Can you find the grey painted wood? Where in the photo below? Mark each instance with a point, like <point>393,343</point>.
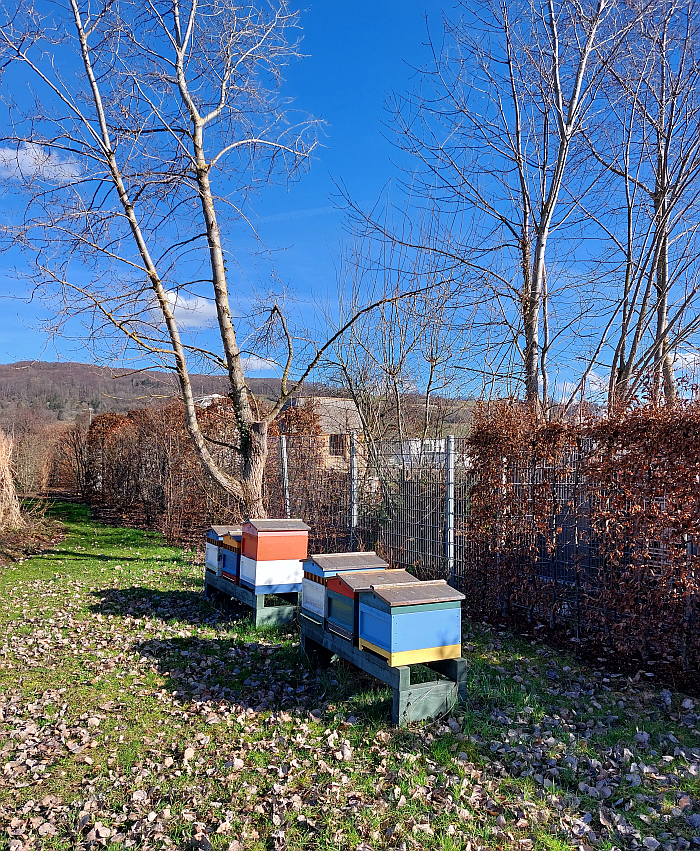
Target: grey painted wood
<point>411,702</point>
<point>279,525</point>
<point>363,580</point>
<point>349,561</point>
<point>424,700</point>
<point>416,593</point>
<point>262,615</point>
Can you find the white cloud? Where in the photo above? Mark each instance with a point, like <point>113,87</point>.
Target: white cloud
<point>194,312</point>
<point>253,363</point>
<point>31,161</point>
<point>687,361</point>
<point>596,387</point>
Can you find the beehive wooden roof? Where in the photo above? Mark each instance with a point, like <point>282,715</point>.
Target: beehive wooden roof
<point>279,525</point>
<point>225,530</point>
<point>349,561</point>
<point>362,580</point>
<point>416,594</point>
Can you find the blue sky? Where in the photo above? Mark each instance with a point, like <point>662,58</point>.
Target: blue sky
<point>356,53</point>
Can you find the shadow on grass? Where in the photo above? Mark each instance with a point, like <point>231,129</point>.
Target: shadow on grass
<point>82,555</point>
<point>261,668</point>
<point>184,605</point>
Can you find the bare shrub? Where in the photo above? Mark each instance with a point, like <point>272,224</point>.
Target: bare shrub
<point>10,516</point>
<point>70,462</point>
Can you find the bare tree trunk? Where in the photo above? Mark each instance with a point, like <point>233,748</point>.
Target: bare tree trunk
<point>664,375</point>
<point>663,372</point>
<point>254,458</point>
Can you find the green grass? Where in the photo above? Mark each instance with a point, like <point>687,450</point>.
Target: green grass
<point>118,679</point>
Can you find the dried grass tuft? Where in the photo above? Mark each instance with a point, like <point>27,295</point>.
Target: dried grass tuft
<point>10,515</point>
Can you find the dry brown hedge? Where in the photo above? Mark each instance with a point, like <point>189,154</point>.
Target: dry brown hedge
<point>591,526</point>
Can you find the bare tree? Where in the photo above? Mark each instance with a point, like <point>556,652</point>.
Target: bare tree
<point>647,141</point>
<point>146,127</point>
<point>402,370</point>
<point>494,126</point>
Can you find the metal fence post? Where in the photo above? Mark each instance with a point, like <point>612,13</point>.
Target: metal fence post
<point>450,507</point>
<point>285,474</point>
<point>353,488</point>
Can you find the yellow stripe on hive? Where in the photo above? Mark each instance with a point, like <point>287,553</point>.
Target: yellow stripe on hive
<point>414,657</point>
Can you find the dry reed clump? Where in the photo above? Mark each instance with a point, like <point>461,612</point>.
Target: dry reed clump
<point>10,516</point>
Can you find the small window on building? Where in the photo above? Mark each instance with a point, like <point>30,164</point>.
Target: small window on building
<point>337,444</point>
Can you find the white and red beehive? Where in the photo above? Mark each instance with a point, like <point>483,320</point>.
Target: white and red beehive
<point>272,555</point>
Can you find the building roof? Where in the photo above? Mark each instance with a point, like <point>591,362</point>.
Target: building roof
<point>418,594</point>
<point>206,401</point>
<point>278,525</point>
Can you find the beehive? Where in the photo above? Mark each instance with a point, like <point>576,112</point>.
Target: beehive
<point>342,597</point>
<point>213,559</point>
<point>410,624</point>
<point>272,554</point>
<point>319,569</point>
<point>231,551</point>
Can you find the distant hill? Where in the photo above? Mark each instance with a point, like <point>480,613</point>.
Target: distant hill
<point>63,390</point>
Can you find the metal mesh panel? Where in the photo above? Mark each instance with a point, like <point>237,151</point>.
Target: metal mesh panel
<point>521,540</point>
<point>412,532</point>
<point>318,489</point>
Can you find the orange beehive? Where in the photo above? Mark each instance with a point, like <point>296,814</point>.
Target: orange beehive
<point>272,554</point>
<point>274,540</point>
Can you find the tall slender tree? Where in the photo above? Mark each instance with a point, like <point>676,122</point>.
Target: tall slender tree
<point>647,143</point>
<point>137,130</point>
<point>494,125</point>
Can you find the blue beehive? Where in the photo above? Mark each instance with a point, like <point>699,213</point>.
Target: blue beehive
<point>214,558</point>
<point>231,552</point>
<point>411,623</point>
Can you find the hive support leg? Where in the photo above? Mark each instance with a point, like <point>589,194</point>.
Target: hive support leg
<point>455,670</point>
<point>259,610</point>
<point>271,615</point>
<point>422,700</point>
<point>316,653</point>
<point>402,697</point>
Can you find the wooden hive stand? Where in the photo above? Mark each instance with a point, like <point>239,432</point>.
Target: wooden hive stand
<point>263,614</point>
<point>411,701</point>
<point>266,561</point>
